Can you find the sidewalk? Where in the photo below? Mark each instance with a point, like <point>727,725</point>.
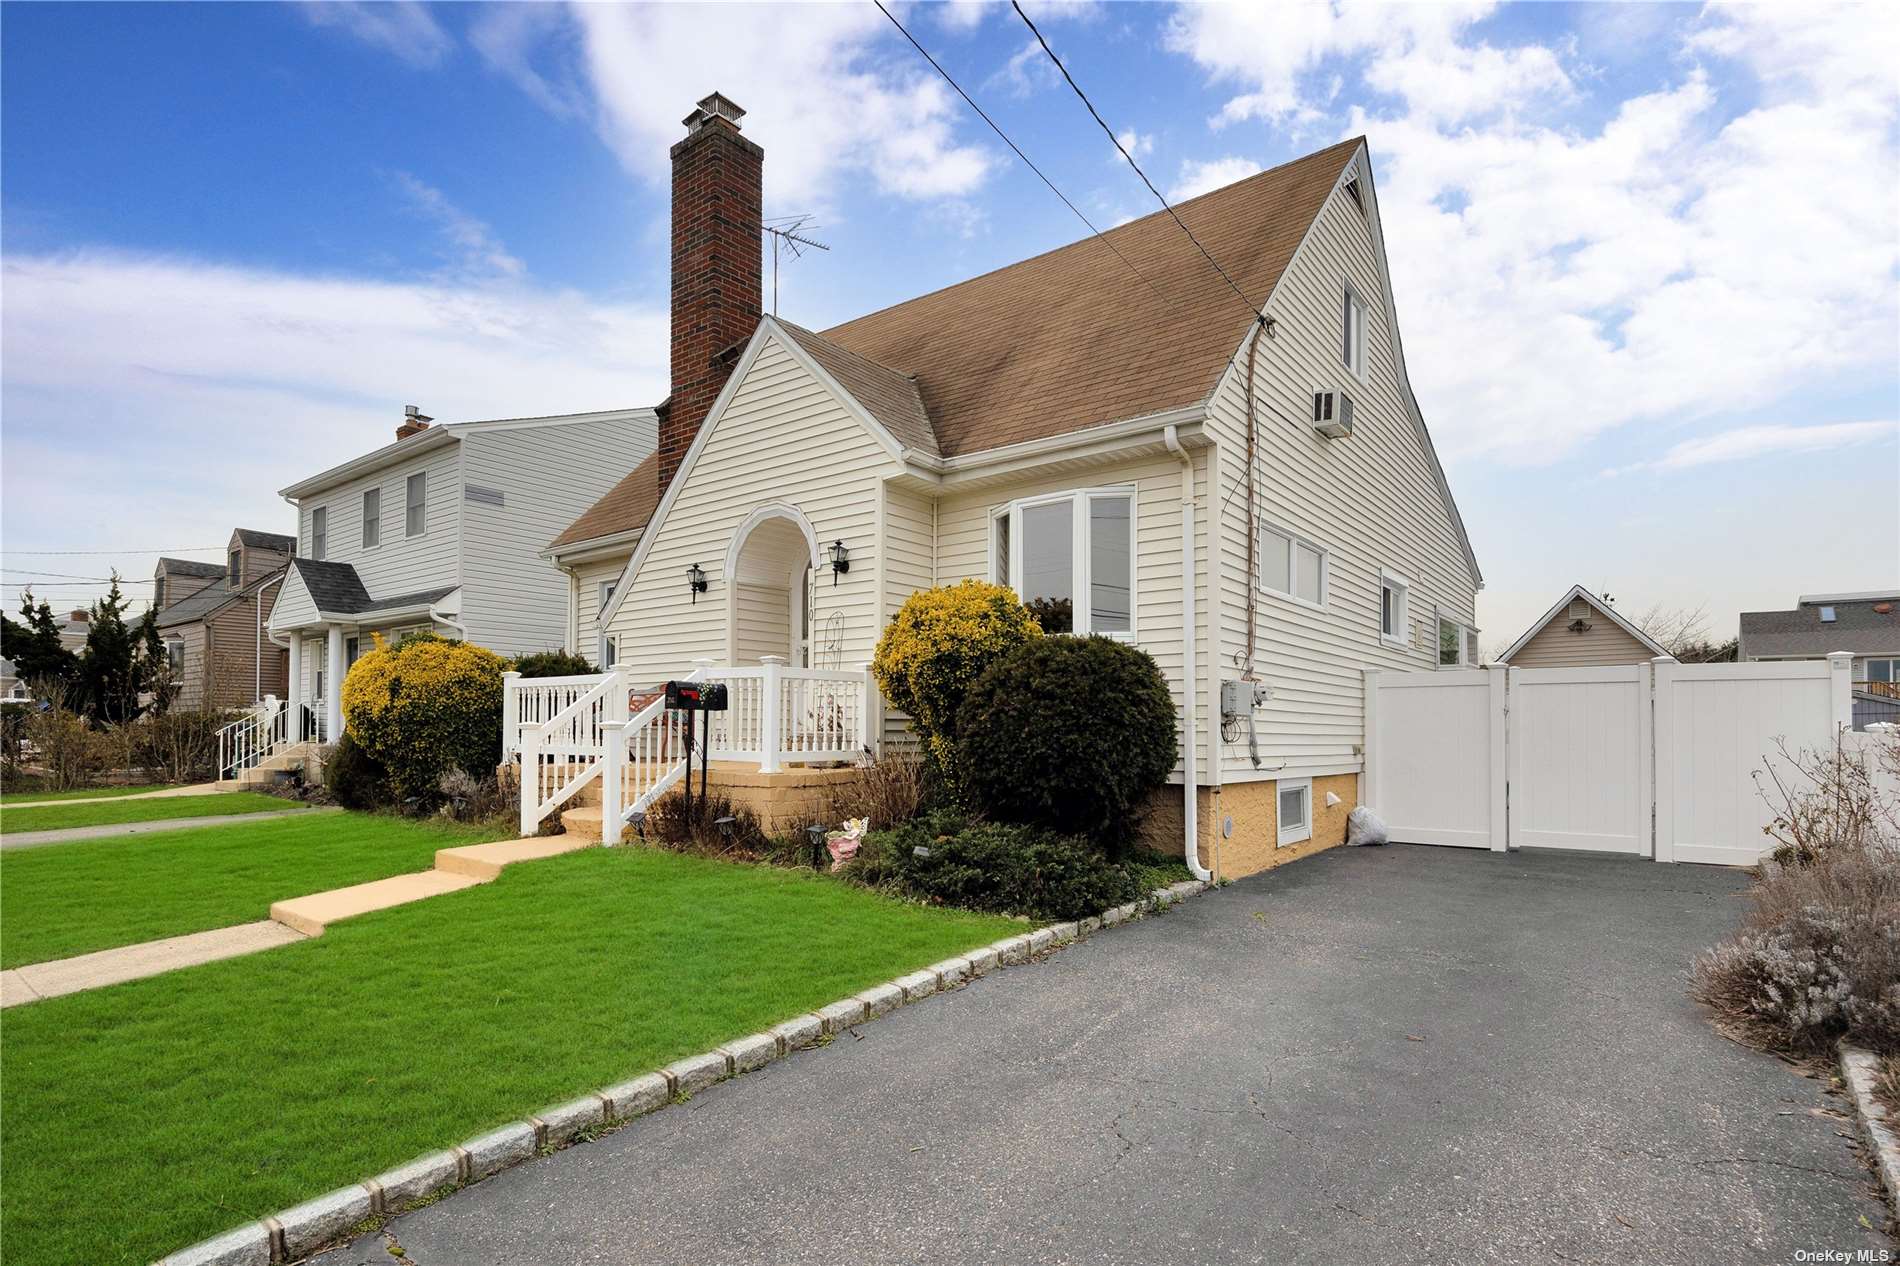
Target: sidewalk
<point>195,789</point>
<point>110,830</point>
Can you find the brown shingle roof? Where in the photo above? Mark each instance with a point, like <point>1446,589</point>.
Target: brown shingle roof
<point>886,394</point>
<point>629,504</point>
<point>1073,339</point>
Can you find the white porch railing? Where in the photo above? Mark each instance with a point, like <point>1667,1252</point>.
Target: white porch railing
<point>245,742</point>
<point>776,716</point>
<point>534,701</point>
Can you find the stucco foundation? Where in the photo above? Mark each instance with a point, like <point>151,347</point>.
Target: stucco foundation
<point>1251,846</point>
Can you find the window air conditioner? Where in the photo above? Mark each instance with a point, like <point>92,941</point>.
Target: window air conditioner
<point>1332,414</point>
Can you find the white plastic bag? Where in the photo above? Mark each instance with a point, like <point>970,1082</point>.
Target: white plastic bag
<point>1363,826</point>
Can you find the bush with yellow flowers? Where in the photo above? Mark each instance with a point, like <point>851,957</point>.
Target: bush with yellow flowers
<point>934,649</point>
<point>423,706</point>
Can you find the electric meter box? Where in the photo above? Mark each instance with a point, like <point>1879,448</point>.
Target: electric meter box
<point>1238,698</point>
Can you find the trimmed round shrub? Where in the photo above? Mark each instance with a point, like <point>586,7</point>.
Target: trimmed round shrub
<point>354,778</point>
<point>936,647</point>
<point>553,664</point>
<point>1068,733</point>
<point>425,706</point>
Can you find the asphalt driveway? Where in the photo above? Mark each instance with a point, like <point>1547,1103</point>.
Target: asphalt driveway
<point>1408,1053</point>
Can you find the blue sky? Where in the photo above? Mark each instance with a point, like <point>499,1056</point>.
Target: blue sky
<point>1644,256</point>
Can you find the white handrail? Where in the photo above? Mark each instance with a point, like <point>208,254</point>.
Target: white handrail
<point>561,755</point>
<point>644,758</point>
<point>245,742</point>
<point>530,701</point>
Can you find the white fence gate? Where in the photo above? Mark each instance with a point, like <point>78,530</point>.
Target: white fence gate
<point>1657,760</point>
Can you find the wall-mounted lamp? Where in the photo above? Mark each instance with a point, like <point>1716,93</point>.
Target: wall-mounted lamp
<point>696,581</point>
<point>840,561</point>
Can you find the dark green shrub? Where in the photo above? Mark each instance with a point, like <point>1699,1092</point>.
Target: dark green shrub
<point>994,867</point>
<point>553,664</point>
<point>354,778</point>
<point>1068,733</point>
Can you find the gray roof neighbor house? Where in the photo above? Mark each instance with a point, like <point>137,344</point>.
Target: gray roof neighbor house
<point>1861,623</point>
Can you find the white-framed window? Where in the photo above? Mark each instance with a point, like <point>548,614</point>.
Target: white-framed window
<point>1294,810</point>
<point>175,655</point>
<point>1457,642</point>
<point>605,595</point>
<point>319,533</point>
<point>1070,557</point>
<point>1352,332</point>
<point>606,651</point>
<point>1395,614</point>
<point>1293,565</point>
<point>414,521</point>
<point>1877,670</point>
<point>372,517</point>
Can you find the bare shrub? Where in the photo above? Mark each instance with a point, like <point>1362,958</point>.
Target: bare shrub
<point>469,797</point>
<point>888,791</point>
<point>67,751</point>
<point>710,825</point>
<point>1818,957</point>
<point>176,746</point>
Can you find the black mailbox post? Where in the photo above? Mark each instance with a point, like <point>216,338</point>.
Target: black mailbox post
<point>693,698</point>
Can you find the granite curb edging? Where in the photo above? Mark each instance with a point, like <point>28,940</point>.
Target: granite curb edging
<point>300,1231</point>
<point>1859,1068</point>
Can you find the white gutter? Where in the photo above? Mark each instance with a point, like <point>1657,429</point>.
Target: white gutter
<point>1190,811</point>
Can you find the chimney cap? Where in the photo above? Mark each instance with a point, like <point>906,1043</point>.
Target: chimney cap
<point>411,411</point>
<point>716,106</point>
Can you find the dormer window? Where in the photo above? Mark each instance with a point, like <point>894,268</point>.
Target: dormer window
<point>235,574</point>
<point>1827,615</point>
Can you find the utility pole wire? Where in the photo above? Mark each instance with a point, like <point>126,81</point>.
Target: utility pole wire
<point>1252,307</point>
<point>1018,149</point>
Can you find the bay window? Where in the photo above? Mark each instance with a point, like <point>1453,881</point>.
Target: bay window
<point>1070,558</point>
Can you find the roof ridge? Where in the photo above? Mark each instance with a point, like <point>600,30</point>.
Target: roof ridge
<point>1083,241</point>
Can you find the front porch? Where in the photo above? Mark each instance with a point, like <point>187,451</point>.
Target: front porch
<point>598,744</point>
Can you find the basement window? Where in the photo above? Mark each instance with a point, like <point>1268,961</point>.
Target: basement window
<point>1295,818</point>
<point>1070,558</point>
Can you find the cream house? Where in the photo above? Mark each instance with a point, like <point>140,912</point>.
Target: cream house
<point>1243,487</point>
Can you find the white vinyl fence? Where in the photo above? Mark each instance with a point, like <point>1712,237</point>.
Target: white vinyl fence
<point>1658,760</point>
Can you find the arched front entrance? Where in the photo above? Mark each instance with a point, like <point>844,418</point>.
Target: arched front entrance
<point>768,597</point>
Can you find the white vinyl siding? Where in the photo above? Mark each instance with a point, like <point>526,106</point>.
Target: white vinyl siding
<point>590,580</point>
<point>399,565</point>
<point>1604,644</point>
<point>1373,500</point>
<point>783,439</point>
<point>514,601</point>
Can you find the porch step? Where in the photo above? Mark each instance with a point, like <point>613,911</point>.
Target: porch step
<point>484,861</point>
<point>584,823</point>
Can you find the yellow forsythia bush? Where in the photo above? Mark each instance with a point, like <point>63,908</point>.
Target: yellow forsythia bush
<point>936,647</point>
<point>424,705</point>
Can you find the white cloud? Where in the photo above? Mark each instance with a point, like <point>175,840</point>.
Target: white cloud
<point>961,16</point>
<point>1028,70</point>
<point>508,36</point>
<point>1709,246</point>
<point>176,397</point>
<point>1746,442</point>
<point>1197,178</point>
<point>1137,145</point>
<point>474,248</point>
<point>823,98</point>
<point>402,27</point>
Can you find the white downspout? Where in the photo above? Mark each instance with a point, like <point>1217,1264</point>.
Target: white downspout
<point>1189,627</point>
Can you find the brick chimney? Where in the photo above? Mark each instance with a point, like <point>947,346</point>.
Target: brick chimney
<point>414,422</point>
<point>718,201</point>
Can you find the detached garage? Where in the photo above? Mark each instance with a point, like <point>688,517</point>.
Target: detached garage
<point>1581,631</point>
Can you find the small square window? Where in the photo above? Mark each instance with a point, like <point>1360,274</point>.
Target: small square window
<point>1295,805</point>
<point>1827,615</point>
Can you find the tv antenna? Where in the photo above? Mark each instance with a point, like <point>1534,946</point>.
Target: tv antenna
<point>789,233</point>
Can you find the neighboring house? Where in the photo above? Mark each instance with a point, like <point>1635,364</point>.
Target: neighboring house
<point>12,689</point>
<point>1581,631</point>
<point>74,628</point>
<point>1061,427</point>
<point>214,621</point>
<point>1867,625</point>
<point>442,531</point>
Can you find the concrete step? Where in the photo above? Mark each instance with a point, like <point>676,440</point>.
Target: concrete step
<point>310,915</point>
<point>485,861</point>
<point>583,823</point>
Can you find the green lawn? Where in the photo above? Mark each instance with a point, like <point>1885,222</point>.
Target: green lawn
<point>67,899</point>
<point>80,793</point>
<point>55,817</point>
<point>143,1117</point>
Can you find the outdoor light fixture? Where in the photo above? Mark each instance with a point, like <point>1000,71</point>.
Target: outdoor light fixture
<point>637,819</point>
<point>817,834</point>
<point>696,581</point>
<point>840,561</point>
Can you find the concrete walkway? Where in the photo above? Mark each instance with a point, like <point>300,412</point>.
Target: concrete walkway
<point>195,789</point>
<point>1404,1054</point>
<point>110,830</point>
<point>134,962</point>
<point>457,868</point>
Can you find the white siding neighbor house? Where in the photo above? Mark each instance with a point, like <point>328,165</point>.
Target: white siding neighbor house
<point>1242,487</point>
<point>441,531</point>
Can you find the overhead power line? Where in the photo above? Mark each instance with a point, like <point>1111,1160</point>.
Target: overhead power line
<point>192,549</point>
<point>971,102</point>
<point>1116,141</point>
